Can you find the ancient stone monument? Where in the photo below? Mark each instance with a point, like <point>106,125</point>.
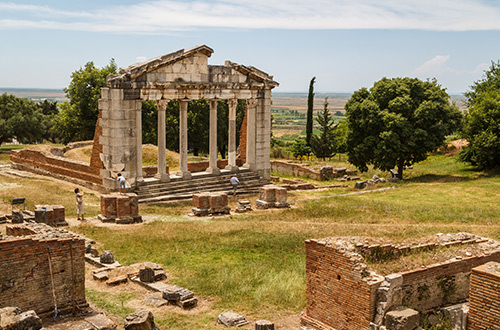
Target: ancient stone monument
<point>184,76</point>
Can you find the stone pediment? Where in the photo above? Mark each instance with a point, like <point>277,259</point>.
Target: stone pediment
<point>188,66</point>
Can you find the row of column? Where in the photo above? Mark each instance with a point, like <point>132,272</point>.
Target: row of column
<point>162,174</point>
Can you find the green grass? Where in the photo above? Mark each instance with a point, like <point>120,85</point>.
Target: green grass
<point>253,263</point>
<point>6,149</point>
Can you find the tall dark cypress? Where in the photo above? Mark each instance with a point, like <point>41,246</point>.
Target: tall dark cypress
<point>310,106</point>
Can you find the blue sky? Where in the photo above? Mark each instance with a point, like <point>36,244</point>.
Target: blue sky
<point>345,44</point>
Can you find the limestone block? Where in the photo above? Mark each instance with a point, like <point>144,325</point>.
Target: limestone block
<point>231,319</point>
<point>59,214</point>
<point>117,280</point>
<point>200,212</point>
<point>281,194</point>
<point>40,216</point>
<point>101,322</point>
<point>124,220</point>
<point>402,318</point>
<point>201,200</point>
<point>122,206</point>
<point>218,201</point>
<point>134,203</point>
<point>12,318</point>
<point>147,275</point>
<point>108,205</point>
<point>140,320</point>
<point>267,193</point>
<point>457,314</point>
<point>155,299</point>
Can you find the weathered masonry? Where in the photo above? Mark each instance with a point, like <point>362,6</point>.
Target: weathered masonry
<point>37,262</point>
<point>184,76</point>
<point>344,294</point>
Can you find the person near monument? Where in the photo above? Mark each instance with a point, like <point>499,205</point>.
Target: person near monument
<point>235,182</point>
<point>123,183</point>
<point>79,204</point>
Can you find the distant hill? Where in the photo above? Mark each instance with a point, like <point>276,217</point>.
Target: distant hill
<point>36,94</point>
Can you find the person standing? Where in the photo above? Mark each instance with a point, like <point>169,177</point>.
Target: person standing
<point>79,204</point>
<point>235,182</point>
<point>123,183</point>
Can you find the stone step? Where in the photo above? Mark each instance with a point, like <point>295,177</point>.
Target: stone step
<point>152,190</point>
<point>194,186</point>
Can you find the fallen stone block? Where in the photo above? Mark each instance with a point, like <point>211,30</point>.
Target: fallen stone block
<point>107,257</point>
<point>305,186</point>
<point>200,212</point>
<point>263,205</point>
<point>176,293</point>
<point>402,318</point>
<point>231,319</point>
<point>188,303</point>
<point>457,314</point>
<point>17,217</point>
<point>117,280</point>
<point>12,318</point>
<point>147,275</point>
<point>155,299</point>
<point>101,322</point>
<point>160,275</point>
<point>142,319</point>
<point>101,276</point>
<point>264,325</point>
<point>103,218</point>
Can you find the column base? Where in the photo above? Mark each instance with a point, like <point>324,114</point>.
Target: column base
<point>185,175</point>
<point>213,170</point>
<point>247,166</point>
<point>163,177</point>
<point>232,168</point>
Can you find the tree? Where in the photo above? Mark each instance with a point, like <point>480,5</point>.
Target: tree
<point>310,109</point>
<point>482,121</point>
<point>49,111</point>
<point>397,122</point>
<point>149,122</point>
<point>78,117</point>
<point>322,145</point>
<point>300,148</point>
<point>20,118</point>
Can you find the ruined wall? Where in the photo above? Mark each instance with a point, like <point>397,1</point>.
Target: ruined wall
<point>442,284</point>
<point>25,280</point>
<point>340,292</point>
<point>39,162</point>
<point>294,169</point>
<point>484,307</point>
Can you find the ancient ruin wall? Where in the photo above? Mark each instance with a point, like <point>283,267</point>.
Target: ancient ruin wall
<point>484,307</point>
<point>25,280</point>
<point>39,162</point>
<point>442,284</point>
<point>340,294</point>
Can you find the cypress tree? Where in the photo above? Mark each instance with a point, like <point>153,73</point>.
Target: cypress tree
<point>310,105</point>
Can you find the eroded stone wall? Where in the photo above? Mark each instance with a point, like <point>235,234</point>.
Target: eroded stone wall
<point>25,276</point>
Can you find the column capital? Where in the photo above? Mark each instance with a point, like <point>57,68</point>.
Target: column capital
<point>232,103</point>
<point>252,103</point>
<point>162,104</point>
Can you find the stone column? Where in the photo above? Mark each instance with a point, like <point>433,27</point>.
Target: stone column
<point>162,165</point>
<point>250,155</point>
<point>231,153</point>
<point>212,168</point>
<point>183,139</point>
<point>138,123</point>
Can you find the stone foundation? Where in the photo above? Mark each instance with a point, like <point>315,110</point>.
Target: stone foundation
<point>25,275</point>
<point>210,203</point>
<point>272,196</point>
<point>122,209</point>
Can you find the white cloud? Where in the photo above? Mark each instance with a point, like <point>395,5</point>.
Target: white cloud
<point>165,16</point>
<point>433,66</point>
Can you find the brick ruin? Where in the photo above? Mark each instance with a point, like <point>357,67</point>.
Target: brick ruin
<point>343,293</point>
<point>25,273</point>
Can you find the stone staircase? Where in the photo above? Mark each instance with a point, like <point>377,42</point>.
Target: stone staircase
<point>154,191</point>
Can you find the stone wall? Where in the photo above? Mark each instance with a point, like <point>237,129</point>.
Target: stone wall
<point>39,162</point>
<point>283,167</point>
<point>447,283</point>
<point>340,291</point>
<point>25,279</point>
<point>484,308</point>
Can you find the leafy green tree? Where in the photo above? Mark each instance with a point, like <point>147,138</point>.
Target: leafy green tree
<point>20,118</point>
<point>223,124</point>
<point>310,109</point>
<point>322,145</point>
<point>49,111</point>
<point>398,122</point>
<point>149,122</point>
<point>300,148</point>
<point>78,117</point>
<point>482,121</point>
<point>198,126</point>
<point>340,137</point>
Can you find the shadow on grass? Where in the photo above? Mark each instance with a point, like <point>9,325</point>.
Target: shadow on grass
<point>446,178</point>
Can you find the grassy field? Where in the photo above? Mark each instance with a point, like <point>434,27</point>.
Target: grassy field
<point>253,263</point>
